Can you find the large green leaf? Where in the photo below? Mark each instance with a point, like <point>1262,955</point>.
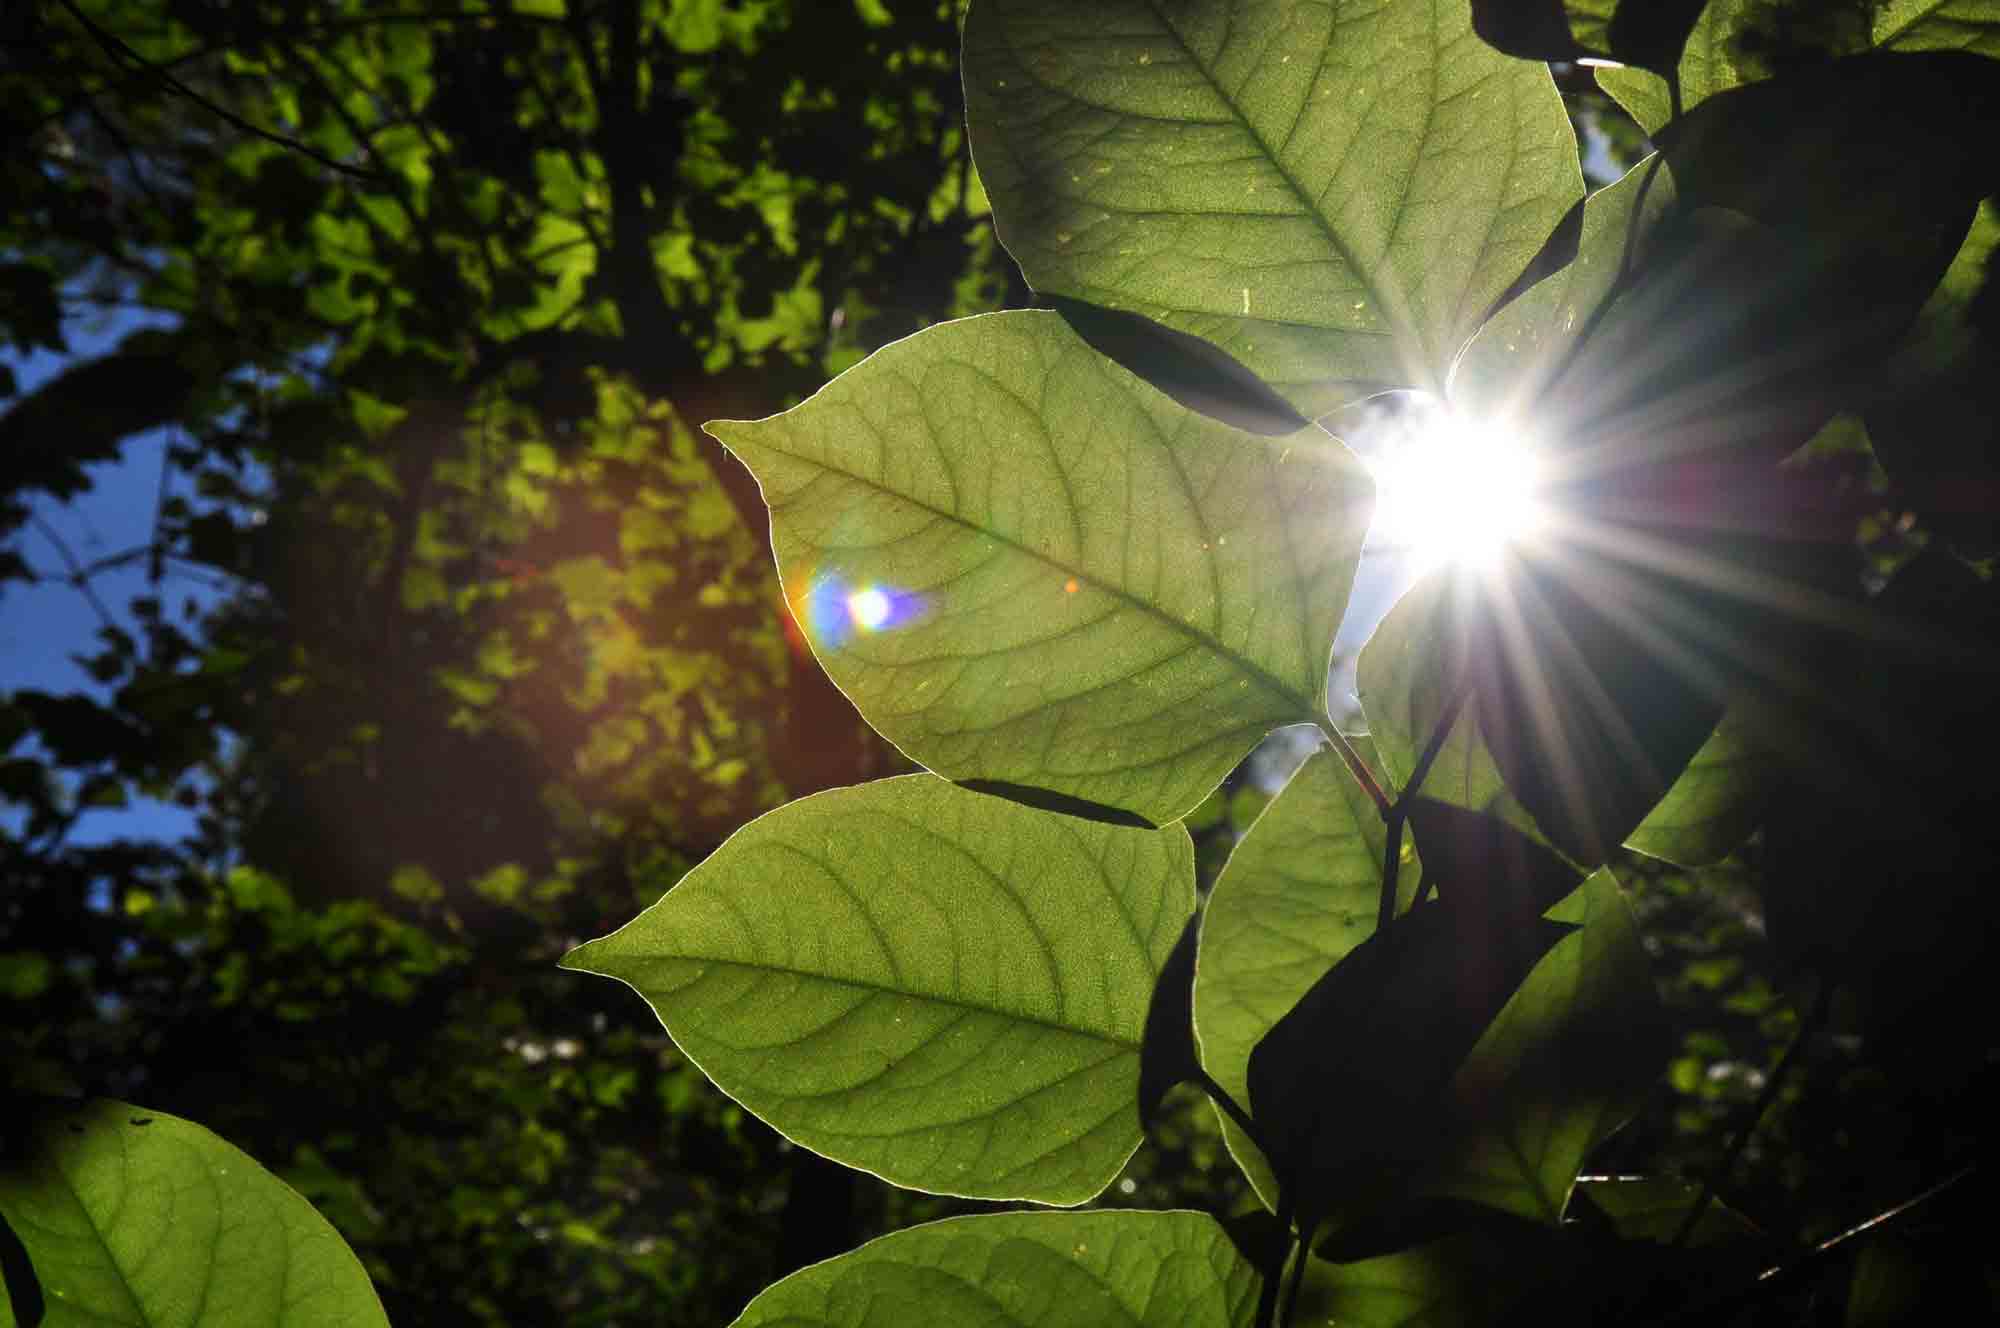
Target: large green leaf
<point>1335,194</point>
<point>1297,894</point>
<point>938,986</point>
<point>133,1217</point>
<point>1566,1062</point>
<point>1025,1270</point>
<point>1083,587</point>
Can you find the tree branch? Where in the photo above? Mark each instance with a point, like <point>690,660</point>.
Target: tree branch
<point>116,47</point>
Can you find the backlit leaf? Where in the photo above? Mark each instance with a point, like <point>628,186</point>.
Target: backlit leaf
<point>1334,194</point>
<point>1025,1270</point>
<point>134,1217</point>
<point>935,985</point>
<point>1025,566</point>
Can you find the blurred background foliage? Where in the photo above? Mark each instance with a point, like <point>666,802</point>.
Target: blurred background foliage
<point>427,297</point>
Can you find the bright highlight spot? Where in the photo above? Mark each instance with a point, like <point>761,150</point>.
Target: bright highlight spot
<point>870,608</point>
<point>1454,490</point>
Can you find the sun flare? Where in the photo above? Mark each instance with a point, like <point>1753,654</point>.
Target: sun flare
<point>1454,490</point>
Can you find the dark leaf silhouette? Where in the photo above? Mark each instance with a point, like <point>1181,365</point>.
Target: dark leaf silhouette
<point>1167,1052</point>
<point>1349,1087</point>
<point>1194,372</point>
<point>1647,33</point>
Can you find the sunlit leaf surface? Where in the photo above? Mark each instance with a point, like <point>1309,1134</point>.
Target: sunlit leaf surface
<point>935,985</point>
<point>1335,194</point>
<point>1026,566</point>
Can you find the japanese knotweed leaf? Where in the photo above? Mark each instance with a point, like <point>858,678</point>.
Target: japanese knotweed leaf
<point>1334,194</point>
<point>1568,1060</point>
<point>1027,567</point>
<point>133,1217</point>
<point>1297,894</point>
<point>1025,1270</point>
<point>935,985</point>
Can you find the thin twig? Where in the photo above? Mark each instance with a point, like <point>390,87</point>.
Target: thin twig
<point>119,50</point>
<point>1785,1274</point>
<point>1274,1269</point>
<point>1230,1107</point>
<point>1747,1125</point>
<point>79,576</point>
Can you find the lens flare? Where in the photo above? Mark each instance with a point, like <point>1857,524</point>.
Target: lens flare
<point>869,608</point>
<point>1455,490</point>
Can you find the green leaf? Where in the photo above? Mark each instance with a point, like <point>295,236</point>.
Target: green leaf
<point>1297,894</point>
<point>935,985</point>
<point>131,1216</point>
<point>1566,1062</point>
<point>1025,1270</point>
<point>1026,566</point>
<point>1461,1281</point>
<point>1715,804</point>
<point>1334,194</point>
<point>1939,25</point>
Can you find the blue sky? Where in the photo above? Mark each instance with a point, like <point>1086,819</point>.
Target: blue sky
<point>44,626</point>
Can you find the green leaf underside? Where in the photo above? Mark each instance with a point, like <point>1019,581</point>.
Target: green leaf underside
<point>1297,894</point>
<point>937,986</point>
<point>1567,1061</point>
<point>1025,1270</point>
<point>132,1217</point>
<point>1100,592</point>
<point>1717,59</point>
<point>1335,194</point>
<point>1715,804</point>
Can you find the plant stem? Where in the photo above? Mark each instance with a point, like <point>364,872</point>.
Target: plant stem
<point>1298,1274</point>
<point>1230,1107</point>
<point>1748,1125</point>
<point>1274,1271</point>
<point>1358,768</point>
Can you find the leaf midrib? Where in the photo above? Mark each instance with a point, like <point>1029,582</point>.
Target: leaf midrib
<point>882,989</point>
<point>1362,272</point>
